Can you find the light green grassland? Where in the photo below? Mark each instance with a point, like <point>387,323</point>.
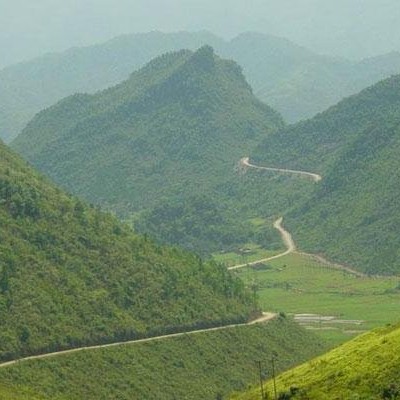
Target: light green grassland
<point>366,368</point>
<point>297,284</point>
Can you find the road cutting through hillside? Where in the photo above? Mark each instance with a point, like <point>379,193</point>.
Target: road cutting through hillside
<point>265,317</point>
<point>290,248</point>
<point>245,162</point>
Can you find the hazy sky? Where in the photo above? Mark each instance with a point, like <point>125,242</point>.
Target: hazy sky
<point>346,27</point>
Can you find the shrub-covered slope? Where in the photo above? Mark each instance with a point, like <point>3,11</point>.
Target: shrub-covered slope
<point>353,214</point>
<point>293,80</point>
<point>170,135</point>
<point>71,275</point>
<point>202,366</point>
<point>365,368</point>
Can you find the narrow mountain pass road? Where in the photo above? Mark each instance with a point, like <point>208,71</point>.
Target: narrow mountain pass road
<point>286,236</point>
<point>287,240</point>
<point>264,318</point>
<point>245,162</point>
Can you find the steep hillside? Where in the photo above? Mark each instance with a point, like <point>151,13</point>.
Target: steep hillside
<point>295,81</point>
<point>71,275</point>
<point>170,135</point>
<point>365,368</point>
<point>202,366</point>
<point>352,216</point>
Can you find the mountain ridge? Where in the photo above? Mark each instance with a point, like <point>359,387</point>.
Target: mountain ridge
<point>293,80</point>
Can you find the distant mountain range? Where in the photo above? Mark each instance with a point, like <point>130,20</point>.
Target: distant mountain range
<point>295,81</point>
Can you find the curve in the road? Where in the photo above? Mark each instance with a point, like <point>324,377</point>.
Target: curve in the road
<point>245,161</point>
<point>287,240</point>
<point>265,317</point>
<point>290,248</point>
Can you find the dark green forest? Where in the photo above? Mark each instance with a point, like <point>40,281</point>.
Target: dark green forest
<point>71,275</point>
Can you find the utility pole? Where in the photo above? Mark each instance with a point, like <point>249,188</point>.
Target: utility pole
<point>273,375</point>
<point>261,381</point>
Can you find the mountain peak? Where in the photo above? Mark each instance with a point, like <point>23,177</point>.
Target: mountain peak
<point>204,58</point>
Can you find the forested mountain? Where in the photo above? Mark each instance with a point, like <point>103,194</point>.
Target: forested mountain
<point>292,79</point>
<point>353,214</point>
<point>168,140</point>
<point>71,275</point>
<point>364,368</point>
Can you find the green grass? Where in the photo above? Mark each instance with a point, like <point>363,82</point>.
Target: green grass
<point>297,284</point>
<point>200,366</point>
<point>364,369</point>
<point>248,253</point>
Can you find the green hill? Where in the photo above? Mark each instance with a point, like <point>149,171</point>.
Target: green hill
<point>293,80</point>
<point>71,275</point>
<point>366,368</point>
<point>171,135</point>
<point>352,216</point>
<point>206,365</point>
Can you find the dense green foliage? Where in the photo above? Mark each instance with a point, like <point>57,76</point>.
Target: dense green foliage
<point>167,142</point>
<point>353,214</point>
<point>367,368</point>
<point>207,365</point>
<point>71,275</point>
<point>294,80</point>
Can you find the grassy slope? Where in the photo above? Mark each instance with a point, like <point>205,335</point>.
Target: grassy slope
<point>360,369</point>
<point>194,367</point>
<point>352,215</point>
<point>71,275</point>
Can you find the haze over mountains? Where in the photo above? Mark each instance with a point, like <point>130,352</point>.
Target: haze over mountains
<point>293,80</point>
<point>196,224</point>
<point>353,29</point>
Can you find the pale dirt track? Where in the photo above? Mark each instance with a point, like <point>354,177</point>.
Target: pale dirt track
<point>266,317</point>
<point>286,236</point>
<point>287,240</point>
<point>245,161</point>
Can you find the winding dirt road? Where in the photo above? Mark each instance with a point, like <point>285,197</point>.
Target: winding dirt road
<point>245,161</point>
<point>287,240</point>
<point>266,317</point>
<point>290,248</point>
